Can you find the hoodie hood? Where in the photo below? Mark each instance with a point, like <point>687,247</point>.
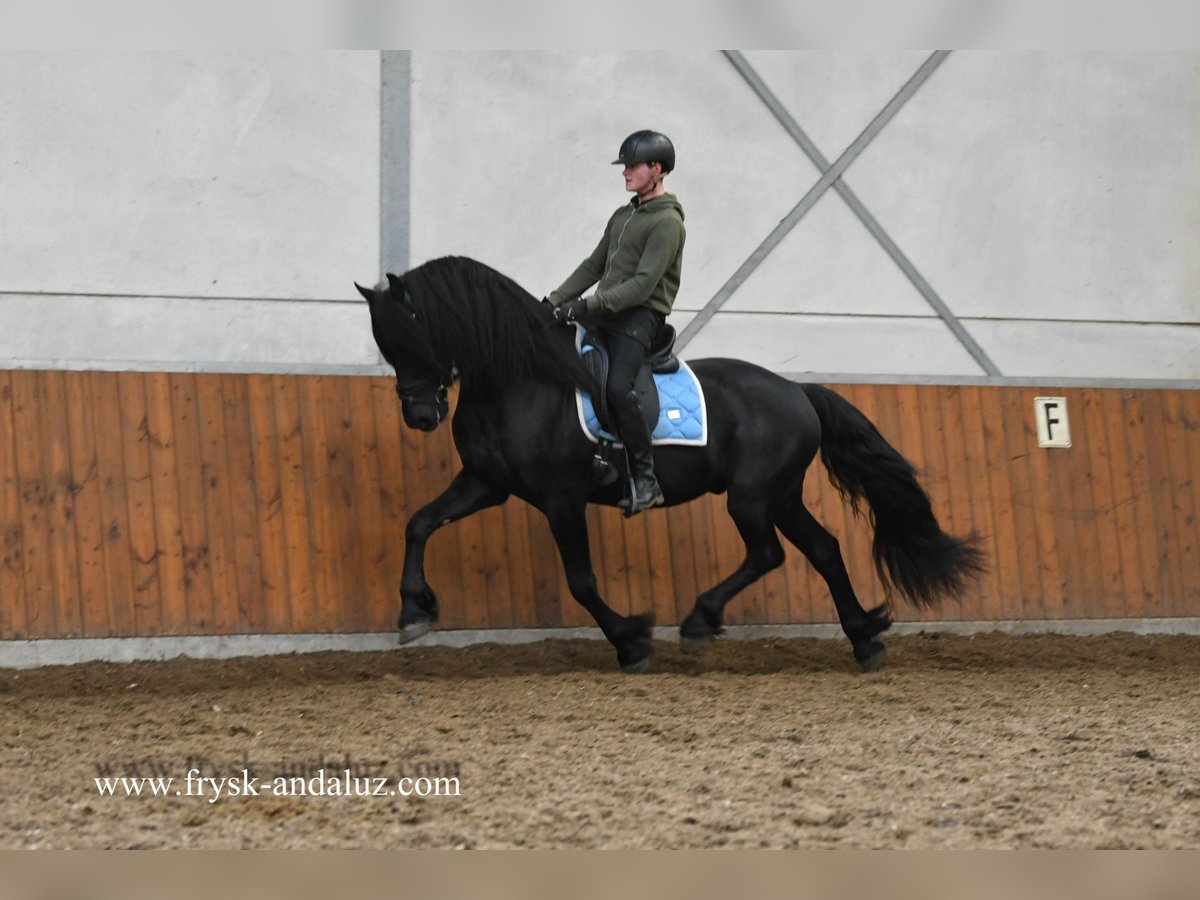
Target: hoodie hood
<point>661,203</point>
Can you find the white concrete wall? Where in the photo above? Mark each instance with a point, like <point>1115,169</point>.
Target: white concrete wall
<point>168,210</point>
<point>1050,199</point>
<point>163,208</point>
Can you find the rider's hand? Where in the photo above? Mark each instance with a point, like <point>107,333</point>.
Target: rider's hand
<point>571,311</point>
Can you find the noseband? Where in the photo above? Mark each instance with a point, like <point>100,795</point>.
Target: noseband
<point>428,391</point>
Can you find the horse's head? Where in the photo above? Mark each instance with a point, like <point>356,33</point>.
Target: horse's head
<point>422,382</point>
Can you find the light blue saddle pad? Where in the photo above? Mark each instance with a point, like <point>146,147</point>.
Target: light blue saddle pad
<point>682,417</point>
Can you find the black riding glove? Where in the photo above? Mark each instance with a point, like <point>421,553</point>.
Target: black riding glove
<point>571,311</point>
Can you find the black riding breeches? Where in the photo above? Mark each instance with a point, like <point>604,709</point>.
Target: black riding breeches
<point>629,335</point>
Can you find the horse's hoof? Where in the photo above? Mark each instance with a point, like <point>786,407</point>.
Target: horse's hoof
<point>413,631</point>
<point>874,662</point>
<point>694,645</point>
<point>639,667</point>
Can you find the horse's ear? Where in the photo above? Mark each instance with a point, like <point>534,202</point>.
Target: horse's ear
<point>367,293</point>
<point>400,294</point>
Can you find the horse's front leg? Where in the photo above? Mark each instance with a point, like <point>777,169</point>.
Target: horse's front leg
<point>630,635</point>
<point>467,494</point>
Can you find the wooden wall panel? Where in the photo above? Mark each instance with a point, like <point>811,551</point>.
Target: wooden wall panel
<point>241,489</point>
<point>130,470</point>
<point>1182,491</point>
<point>13,619</point>
<point>82,502</point>
<point>296,582</point>
<point>41,602</point>
<point>266,596</point>
<point>153,503</point>
<point>168,530</point>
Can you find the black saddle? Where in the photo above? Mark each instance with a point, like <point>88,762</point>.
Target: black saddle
<point>660,359</point>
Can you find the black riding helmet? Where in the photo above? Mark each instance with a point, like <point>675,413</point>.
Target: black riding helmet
<point>647,147</point>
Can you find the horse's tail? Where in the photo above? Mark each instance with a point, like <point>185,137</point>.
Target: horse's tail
<point>912,553</point>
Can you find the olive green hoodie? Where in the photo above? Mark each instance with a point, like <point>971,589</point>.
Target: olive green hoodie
<point>637,262</point>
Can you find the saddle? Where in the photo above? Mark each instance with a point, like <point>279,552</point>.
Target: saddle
<point>660,360</point>
<point>609,463</point>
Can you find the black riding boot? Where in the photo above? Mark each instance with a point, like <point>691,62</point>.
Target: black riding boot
<point>631,425</point>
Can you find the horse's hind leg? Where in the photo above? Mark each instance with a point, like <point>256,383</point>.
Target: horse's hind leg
<point>763,553</point>
<point>823,551</point>
<point>630,635</point>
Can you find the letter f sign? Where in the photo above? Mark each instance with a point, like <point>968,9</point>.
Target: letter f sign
<point>1050,414</point>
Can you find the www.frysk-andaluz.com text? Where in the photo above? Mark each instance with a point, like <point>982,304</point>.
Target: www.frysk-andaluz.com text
<point>319,778</point>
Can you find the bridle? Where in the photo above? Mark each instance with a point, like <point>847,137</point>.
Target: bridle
<point>430,390</point>
<point>435,385</point>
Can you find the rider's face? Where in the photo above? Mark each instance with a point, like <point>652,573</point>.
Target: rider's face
<point>640,178</point>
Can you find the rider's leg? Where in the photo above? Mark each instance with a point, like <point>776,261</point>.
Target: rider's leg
<point>626,355</point>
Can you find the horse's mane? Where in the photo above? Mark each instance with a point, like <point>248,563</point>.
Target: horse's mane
<point>493,330</point>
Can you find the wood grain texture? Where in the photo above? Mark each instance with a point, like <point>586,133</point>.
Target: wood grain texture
<point>141,504</point>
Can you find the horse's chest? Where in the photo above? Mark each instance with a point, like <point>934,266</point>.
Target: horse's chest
<point>479,454</point>
<point>478,442</point>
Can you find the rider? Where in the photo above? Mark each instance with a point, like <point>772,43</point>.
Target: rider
<point>637,264</point>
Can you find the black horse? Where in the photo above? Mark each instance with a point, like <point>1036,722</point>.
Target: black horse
<point>517,432</point>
